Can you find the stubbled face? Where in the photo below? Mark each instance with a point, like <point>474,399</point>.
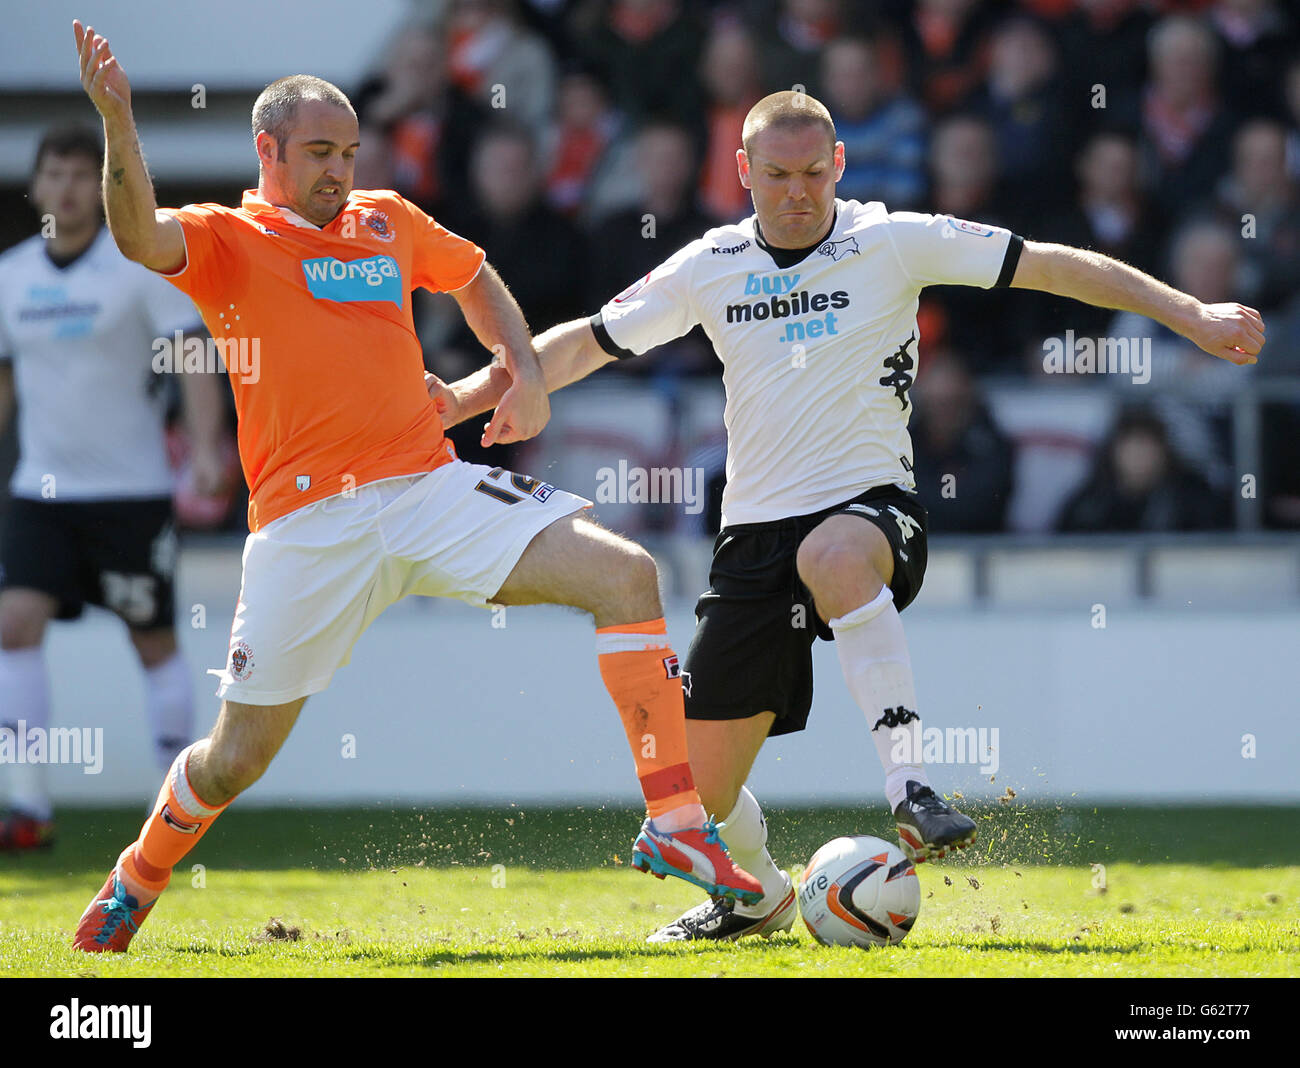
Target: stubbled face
<point>791,174</point>
<point>67,187</point>
<point>315,176</point>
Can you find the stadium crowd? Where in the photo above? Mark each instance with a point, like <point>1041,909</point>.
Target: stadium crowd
<point>581,143</point>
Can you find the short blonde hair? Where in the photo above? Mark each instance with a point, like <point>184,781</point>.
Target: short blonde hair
<point>786,110</point>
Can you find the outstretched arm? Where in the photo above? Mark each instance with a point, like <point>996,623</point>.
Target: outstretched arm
<point>522,407</point>
<point>142,232</point>
<point>566,353</point>
<point>1232,332</point>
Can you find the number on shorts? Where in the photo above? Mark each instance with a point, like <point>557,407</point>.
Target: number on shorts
<point>520,482</point>
<point>130,596</point>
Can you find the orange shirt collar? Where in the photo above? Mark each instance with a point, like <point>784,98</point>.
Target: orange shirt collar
<point>255,205</point>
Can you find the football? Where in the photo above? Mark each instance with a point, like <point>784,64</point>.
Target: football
<point>859,891</point>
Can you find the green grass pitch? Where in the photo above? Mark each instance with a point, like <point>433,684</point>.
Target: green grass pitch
<point>1189,891</point>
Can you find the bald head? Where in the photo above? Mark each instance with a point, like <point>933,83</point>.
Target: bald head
<point>786,111</point>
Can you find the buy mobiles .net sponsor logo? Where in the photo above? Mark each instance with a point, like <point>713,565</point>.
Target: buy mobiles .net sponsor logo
<point>785,301</point>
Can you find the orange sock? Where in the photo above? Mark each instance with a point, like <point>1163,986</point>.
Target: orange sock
<point>179,819</point>
<point>642,676</point>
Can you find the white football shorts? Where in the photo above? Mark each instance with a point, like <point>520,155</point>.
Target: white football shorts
<point>316,578</point>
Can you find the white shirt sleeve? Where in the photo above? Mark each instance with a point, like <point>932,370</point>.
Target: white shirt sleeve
<point>167,307</point>
<point>651,311</point>
<point>938,250</point>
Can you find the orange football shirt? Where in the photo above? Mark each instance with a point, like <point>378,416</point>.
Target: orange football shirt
<point>316,331</point>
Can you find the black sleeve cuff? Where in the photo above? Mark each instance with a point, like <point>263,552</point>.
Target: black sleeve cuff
<point>1014,247</point>
<point>606,342</point>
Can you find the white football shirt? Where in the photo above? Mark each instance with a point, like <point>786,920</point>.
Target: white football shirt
<point>818,355</point>
<point>81,341</point>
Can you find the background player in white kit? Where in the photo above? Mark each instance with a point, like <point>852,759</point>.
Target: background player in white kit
<point>91,515</point>
<point>811,306</point>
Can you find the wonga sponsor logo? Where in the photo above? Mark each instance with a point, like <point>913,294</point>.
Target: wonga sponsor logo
<point>372,278</point>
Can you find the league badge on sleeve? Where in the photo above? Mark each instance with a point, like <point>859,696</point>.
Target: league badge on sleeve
<point>963,226</point>
<point>632,290</point>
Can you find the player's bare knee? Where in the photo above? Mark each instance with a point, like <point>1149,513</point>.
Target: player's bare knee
<point>838,574</point>
<point>823,562</point>
<point>230,769</point>
<point>631,589</point>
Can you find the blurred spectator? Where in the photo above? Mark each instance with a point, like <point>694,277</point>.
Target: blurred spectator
<point>944,40</point>
<point>1293,118</point>
<point>428,126</point>
<point>630,243</point>
<point>648,52</point>
<point>964,169</point>
<point>539,253</point>
<point>373,166</point>
<point>586,125</point>
<point>1194,390</point>
<point>1205,261</point>
<point>962,461</point>
<point>985,327</point>
<point>793,42</point>
<point>1139,484</point>
<point>1111,214</point>
<point>731,79</point>
<point>499,62</point>
<point>1023,101</point>
<point>1258,42</point>
<point>1261,201</point>
<point>1184,123</point>
<point>1104,46</point>
<point>883,132</point>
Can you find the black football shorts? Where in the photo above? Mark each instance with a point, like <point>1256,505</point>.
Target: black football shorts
<point>118,554</point>
<point>755,624</point>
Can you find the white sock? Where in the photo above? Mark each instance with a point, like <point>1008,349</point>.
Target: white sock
<point>873,654</point>
<point>169,705</point>
<point>25,699</point>
<point>681,818</point>
<point>745,832</point>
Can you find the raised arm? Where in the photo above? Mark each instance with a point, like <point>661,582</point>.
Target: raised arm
<point>1232,332</point>
<point>566,353</point>
<point>142,232</point>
